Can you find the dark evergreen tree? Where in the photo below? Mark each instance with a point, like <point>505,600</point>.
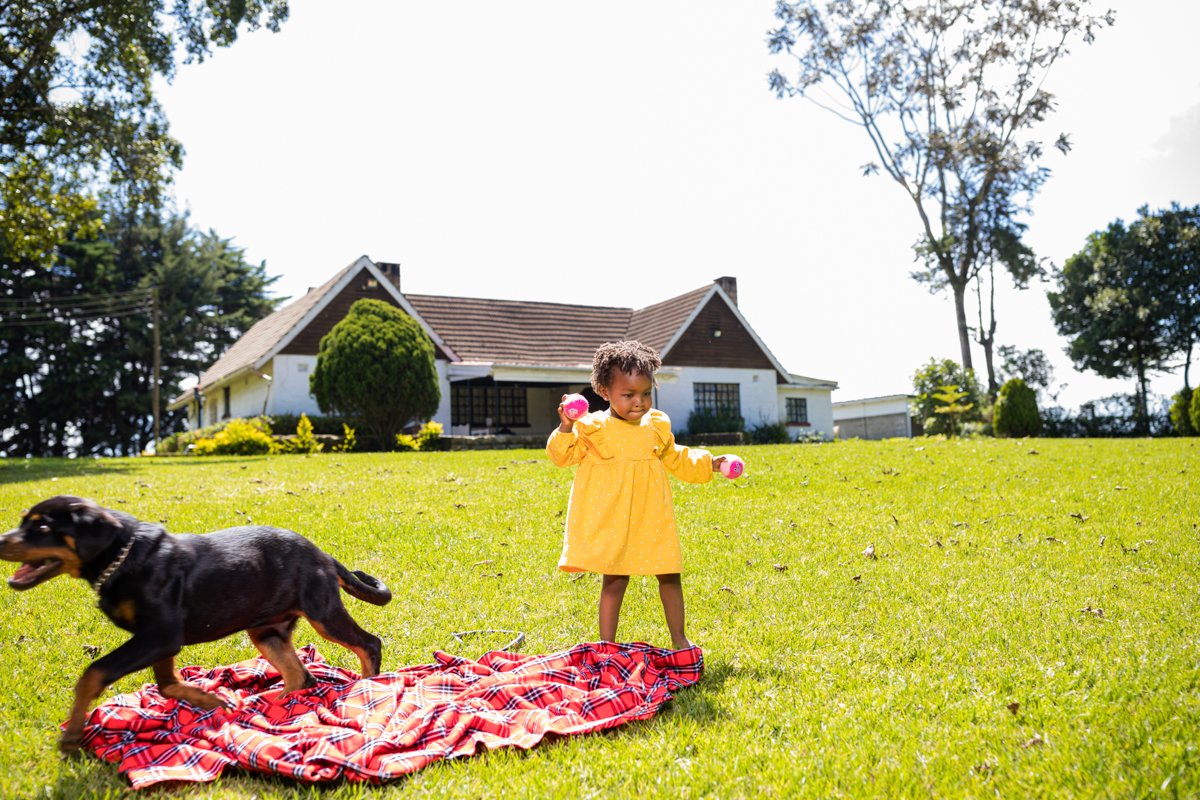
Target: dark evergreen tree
<point>84,388</point>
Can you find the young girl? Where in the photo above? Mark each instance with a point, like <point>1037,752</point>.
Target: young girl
<point>619,520</point>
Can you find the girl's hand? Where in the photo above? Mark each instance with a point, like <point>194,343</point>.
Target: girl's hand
<point>717,462</point>
<point>565,421</point>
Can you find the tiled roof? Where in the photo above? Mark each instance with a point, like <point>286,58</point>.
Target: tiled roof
<point>654,325</point>
<point>516,332</point>
<point>489,331</point>
<point>266,333</point>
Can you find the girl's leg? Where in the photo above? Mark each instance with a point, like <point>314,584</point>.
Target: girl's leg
<point>670,591</point>
<point>611,595</point>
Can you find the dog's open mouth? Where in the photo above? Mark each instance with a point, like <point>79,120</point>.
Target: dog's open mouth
<point>31,573</point>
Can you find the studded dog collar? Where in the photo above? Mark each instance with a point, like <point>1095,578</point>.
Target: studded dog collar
<point>113,567</point>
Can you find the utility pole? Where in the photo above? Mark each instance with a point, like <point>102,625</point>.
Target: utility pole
<point>157,365</point>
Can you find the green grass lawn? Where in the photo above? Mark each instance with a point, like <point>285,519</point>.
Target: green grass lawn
<point>828,673</point>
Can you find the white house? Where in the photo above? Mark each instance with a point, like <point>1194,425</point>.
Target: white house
<point>875,417</point>
<point>504,364</point>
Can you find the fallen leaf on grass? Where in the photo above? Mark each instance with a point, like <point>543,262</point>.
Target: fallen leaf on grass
<point>856,578</point>
<point>1120,488</point>
<point>727,589</point>
<point>460,505</point>
<point>893,516</point>
<point>984,767</point>
<point>1034,453</point>
<point>1056,541</point>
<point>487,575</point>
<point>1079,516</point>
<point>578,577</point>
<point>1103,539</point>
<point>481,563</point>
<point>1014,707</point>
<point>781,567</point>
<point>869,552</point>
<point>1036,741</point>
<point>961,524</point>
<point>92,650</point>
<point>1096,612</point>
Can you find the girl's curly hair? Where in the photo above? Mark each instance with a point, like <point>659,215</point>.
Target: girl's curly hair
<point>629,357</point>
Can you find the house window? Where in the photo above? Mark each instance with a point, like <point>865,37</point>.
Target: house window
<point>302,366</point>
<point>226,398</point>
<point>797,410</point>
<point>482,400</point>
<point>722,398</point>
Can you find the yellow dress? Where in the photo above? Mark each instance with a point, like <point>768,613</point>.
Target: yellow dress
<point>620,520</point>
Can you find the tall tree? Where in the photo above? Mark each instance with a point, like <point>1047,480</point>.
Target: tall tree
<point>1114,305</point>
<point>1170,238</point>
<point>77,108</point>
<point>84,387</point>
<point>945,90</point>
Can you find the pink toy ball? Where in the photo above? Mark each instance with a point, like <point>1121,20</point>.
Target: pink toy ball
<point>733,467</point>
<point>575,406</point>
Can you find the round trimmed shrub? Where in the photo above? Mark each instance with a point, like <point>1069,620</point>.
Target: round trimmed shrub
<point>1016,411</point>
<point>377,365</point>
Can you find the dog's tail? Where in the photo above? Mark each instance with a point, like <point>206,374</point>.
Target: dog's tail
<point>361,585</point>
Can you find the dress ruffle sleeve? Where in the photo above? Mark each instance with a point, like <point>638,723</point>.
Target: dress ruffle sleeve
<point>566,449</point>
<point>689,464</point>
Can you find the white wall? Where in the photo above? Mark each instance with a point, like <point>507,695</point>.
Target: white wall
<point>443,413</point>
<point>289,390</point>
<point>820,410</point>
<point>759,398</point>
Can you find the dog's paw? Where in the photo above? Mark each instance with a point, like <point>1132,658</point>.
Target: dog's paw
<point>207,701</point>
<point>68,746</point>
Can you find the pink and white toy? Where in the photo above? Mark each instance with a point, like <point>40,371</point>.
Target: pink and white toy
<point>733,467</point>
<point>575,406</point>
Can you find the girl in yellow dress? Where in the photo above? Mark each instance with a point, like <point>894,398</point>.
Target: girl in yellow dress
<point>620,520</point>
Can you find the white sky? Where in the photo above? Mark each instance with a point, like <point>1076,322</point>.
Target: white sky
<point>622,153</point>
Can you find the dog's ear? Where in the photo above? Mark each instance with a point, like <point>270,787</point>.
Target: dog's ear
<point>95,528</point>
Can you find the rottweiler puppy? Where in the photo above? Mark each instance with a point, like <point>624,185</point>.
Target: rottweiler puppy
<point>171,590</point>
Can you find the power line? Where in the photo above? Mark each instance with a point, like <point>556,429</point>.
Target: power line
<point>77,308</point>
<point>79,297</point>
<point>68,311</point>
<point>52,321</point>
<point>91,304</point>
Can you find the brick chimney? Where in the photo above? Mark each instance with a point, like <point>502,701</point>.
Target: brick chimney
<point>390,271</point>
<point>729,285</point>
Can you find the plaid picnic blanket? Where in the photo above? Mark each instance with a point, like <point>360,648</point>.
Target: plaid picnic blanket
<point>383,727</point>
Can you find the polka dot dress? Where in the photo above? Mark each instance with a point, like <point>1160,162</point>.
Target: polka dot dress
<point>620,520</point>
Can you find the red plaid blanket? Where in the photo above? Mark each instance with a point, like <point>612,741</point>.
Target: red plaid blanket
<point>387,726</point>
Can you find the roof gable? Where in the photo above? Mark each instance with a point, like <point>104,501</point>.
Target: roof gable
<point>299,326</point>
<point>716,334</point>
<point>267,332</point>
<point>657,325</point>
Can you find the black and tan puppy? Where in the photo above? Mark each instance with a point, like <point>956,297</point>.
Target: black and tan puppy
<point>174,590</point>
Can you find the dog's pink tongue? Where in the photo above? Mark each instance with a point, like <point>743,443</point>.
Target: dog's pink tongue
<point>23,571</point>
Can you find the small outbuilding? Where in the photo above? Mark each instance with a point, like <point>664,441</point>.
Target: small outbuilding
<point>885,417</point>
